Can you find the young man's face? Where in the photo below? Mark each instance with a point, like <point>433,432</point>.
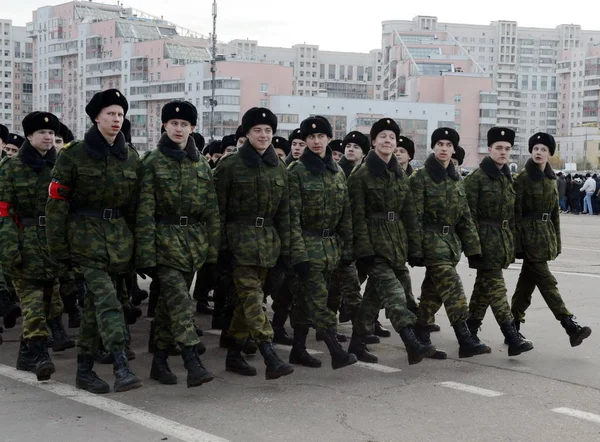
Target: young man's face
<point>297,148</point>
<point>353,152</point>
<point>337,155</point>
<point>59,143</point>
<point>42,140</point>
<point>110,120</point>
<point>385,142</point>
<point>178,131</point>
<point>317,144</point>
<point>500,152</point>
<point>11,150</point>
<point>443,150</point>
<point>260,136</point>
<point>402,155</point>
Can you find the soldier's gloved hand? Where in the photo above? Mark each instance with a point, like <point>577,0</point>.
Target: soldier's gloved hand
<point>520,255</point>
<point>474,260</point>
<point>366,262</point>
<point>414,261</point>
<point>225,260</point>
<point>147,271</point>
<point>302,268</point>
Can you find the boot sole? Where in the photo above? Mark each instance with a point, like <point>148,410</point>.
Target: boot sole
<point>44,372</point>
<point>517,351</point>
<point>164,381</point>
<point>306,364</point>
<point>351,359</point>
<point>586,332</point>
<point>202,380</point>
<point>415,359</point>
<point>94,391</point>
<point>277,375</point>
<point>128,387</point>
<point>62,347</point>
<point>471,353</point>
<point>242,373</point>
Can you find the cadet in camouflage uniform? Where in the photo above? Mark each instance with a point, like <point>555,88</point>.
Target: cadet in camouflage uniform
<point>177,232</point>
<point>91,215</point>
<point>386,233</point>
<point>320,237</point>
<point>448,229</point>
<point>24,185</point>
<point>492,204</point>
<point>297,146</point>
<point>255,226</point>
<point>538,237</point>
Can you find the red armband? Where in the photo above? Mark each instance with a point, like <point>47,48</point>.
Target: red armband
<point>4,206</point>
<point>54,190</point>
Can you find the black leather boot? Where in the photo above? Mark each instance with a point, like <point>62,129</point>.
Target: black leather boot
<point>469,346</point>
<point>26,359</point>
<point>87,379</point>
<point>359,348</point>
<point>197,373</point>
<point>125,380</point>
<point>422,333</point>
<point>280,336</point>
<point>516,343</point>
<point>339,357</point>
<point>319,336</point>
<point>250,347</point>
<point>60,340</point>
<point>576,332</point>
<point>44,367</point>
<point>235,363</point>
<point>474,327</point>
<point>160,370</point>
<point>415,349</point>
<point>380,331</point>
<point>299,355</point>
<point>275,367</point>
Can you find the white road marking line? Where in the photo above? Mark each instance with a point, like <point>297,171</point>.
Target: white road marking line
<point>377,367</point>
<point>145,419</point>
<point>213,332</point>
<point>578,414</point>
<point>471,389</point>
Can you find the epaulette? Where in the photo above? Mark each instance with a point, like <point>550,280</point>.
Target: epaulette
<point>69,144</point>
<point>145,155</point>
<point>292,165</point>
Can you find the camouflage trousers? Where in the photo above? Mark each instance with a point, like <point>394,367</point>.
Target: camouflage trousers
<point>102,320</point>
<point>248,316</point>
<point>489,291</point>
<point>537,274</point>
<point>310,305</point>
<point>174,316</point>
<point>344,287</point>
<point>40,301</point>
<point>384,289</point>
<point>442,285</point>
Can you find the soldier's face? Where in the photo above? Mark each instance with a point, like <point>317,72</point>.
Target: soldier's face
<point>216,156</point>
<point>241,141</point>
<point>337,155</point>
<point>42,140</point>
<point>385,143</point>
<point>402,155</point>
<point>443,150</point>
<point>540,154</point>
<point>179,131</point>
<point>11,150</point>
<point>230,149</point>
<point>455,162</point>
<point>110,120</point>
<point>353,152</point>
<point>58,142</point>
<point>500,152</point>
<point>260,137</point>
<point>317,144</point>
<point>297,148</point>
<point>280,153</point>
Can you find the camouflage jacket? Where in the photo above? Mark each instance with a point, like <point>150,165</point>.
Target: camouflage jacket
<point>24,182</point>
<point>319,201</point>
<point>176,183</point>
<point>252,192</point>
<point>92,175</point>
<point>384,218</point>
<point>492,201</point>
<point>440,200</point>
<point>537,214</point>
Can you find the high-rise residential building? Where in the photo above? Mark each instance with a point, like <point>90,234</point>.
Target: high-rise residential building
<point>522,62</point>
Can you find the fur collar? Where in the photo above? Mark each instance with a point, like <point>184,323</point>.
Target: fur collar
<point>409,170</point>
<point>317,165</point>
<point>32,158</point>
<point>289,159</point>
<point>437,172</point>
<point>98,148</point>
<point>378,167</point>
<point>251,158</point>
<point>491,169</point>
<point>346,165</point>
<point>536,174</point>
<point>168,148</point>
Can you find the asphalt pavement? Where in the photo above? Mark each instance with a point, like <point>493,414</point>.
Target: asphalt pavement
<point>551,393</point>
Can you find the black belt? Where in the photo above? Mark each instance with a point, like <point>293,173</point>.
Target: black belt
<point>324,233</point>
<point>104,214</point>
<point>175,220</point>
<point>503,224</point>
<point>438,228</point>
<point>256,221</point>
<point>37,221</point>
<point>538,216</point>
<point>388,216</point>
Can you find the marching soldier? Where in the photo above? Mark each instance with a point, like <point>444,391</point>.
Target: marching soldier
<point>24,185</point>
<point>282,147</point>
<point>254,208</point>
<point>538,237</point>
<point>297,146</point>
<point>458,157</point>
<point>321,237</point>
<point>337,148</point>
<point>492,204</point>
<point>177,232</point>
<point>91,214</point>
<point>62,137</point>
<point>448,229</point>
<point>12,146</point>
<point>386,233</point>
<point>405,152</point>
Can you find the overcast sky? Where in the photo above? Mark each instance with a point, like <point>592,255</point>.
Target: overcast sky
<point>332,24</point>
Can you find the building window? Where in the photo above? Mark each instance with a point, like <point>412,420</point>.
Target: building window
<point>322,71</point>
<point>264,87</point>
<point>458,98</point>
<point>264,103</point>
<point>331,72</point>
